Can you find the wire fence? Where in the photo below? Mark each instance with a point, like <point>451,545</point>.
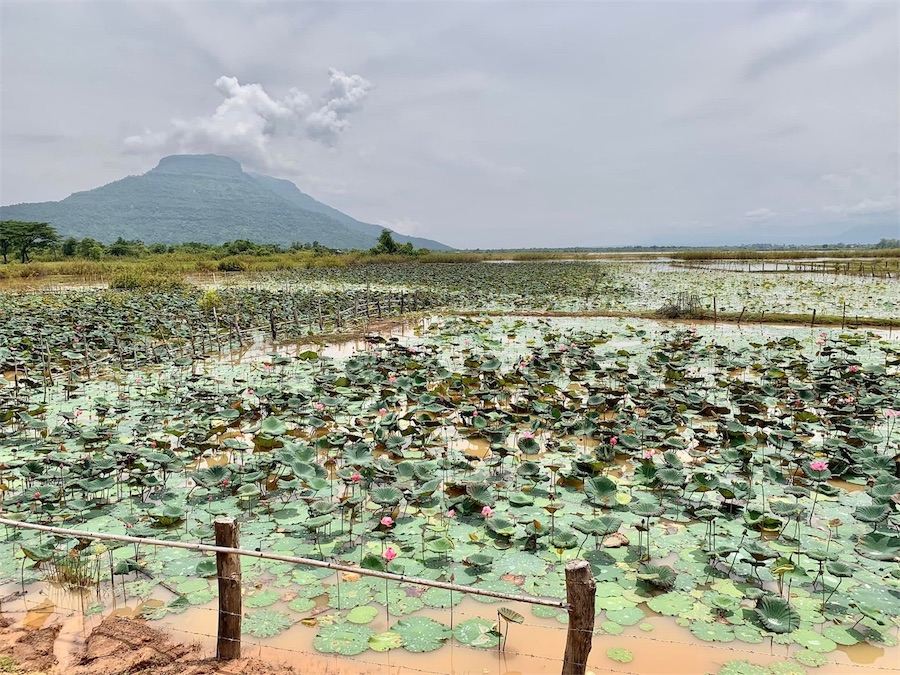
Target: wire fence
<point>541,638</point>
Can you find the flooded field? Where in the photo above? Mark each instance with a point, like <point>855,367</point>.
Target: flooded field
<point>732,487</point>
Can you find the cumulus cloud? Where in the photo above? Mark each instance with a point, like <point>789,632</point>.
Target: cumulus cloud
<point>345,95</point>
<point>249,119</point>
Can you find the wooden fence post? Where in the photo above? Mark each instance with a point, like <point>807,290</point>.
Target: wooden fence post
<point>581,595</point>
<point>228,567</point>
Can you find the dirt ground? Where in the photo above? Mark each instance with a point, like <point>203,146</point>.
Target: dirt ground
<point>117,646</point>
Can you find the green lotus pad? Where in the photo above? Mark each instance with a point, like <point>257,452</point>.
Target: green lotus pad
<point>620,654</point>
<point>477,632</point>
<point>362,614</point>
<point>421,634</point>
<point>344,639</point>
<point>264,623</point>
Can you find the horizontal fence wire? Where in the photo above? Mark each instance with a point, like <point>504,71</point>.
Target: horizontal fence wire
<point>718,647</point>
<point>310,562</point>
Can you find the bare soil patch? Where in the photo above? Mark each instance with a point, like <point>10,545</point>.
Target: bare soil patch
<point>118,645</point>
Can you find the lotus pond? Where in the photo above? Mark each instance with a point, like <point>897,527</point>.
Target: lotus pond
<point>607,284</point>
<point>742,481</point>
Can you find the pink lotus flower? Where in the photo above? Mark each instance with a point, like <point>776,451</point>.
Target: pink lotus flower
<point>854,369</point>
<point>389,554</point>
<point>250,392</point>
<point>891,413</point>
<point>224,482</point>
<point>563,348</point>
<point>392,379</point>
<point>613,441</point>
<point>355,477</point>
<point>76,340</point>
<point>487,511</point>
<point>152,444</point>
<point>319,406</point>
<point>79,412</point>
<point>387,521</point>
<point>37,495</point>
<point>267,366</point>
<point>382,411</point>
<point>451,513</point>
<point>820,342</point>
<point>818,465</point>
<point>648,454</point>
<point>527,434</point>
<point>523,364</point>
<point>475,414</point>
<point>128,526</point>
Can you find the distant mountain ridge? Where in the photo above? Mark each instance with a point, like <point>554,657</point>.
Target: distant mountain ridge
<point>207,199</point>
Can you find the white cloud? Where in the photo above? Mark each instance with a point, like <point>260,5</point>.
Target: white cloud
<point>865,207</point>
<point>760,214</point>
<point>406,226</point>
<point>249,120</point>
<point>345,95</point>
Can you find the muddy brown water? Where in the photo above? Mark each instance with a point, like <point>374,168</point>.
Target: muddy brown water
<point>533,647</point>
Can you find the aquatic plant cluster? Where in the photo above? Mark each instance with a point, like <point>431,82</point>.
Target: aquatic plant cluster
<point>743,480</point>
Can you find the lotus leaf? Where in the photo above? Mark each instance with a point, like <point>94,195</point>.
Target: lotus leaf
<point>620,655</point>
<point>421,634</point>
<point>262,598</point>
<point>383,642</point>
<point>264,623</point>
<point>477,632</point>
<point>363,614</point>
<point>777,615</point>
<point>347,640</point>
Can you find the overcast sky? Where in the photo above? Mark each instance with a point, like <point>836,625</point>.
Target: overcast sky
<point>498,124</point>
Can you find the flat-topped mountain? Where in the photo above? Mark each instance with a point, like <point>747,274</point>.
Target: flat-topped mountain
<point>208,199</point>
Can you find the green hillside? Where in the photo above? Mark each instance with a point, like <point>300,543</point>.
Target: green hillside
<point>202,198</point>
<point>290,192</point>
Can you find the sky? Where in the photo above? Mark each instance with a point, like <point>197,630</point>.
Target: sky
<point>479,124</point>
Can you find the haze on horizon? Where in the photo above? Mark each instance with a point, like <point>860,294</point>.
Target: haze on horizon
<point>481,125</point>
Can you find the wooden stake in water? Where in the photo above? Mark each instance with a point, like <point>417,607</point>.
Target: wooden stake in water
<point>228,569</point>
<point>581,595</point>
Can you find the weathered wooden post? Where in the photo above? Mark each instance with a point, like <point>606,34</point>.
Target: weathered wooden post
<point>581,592</point>
<point>228,567</point>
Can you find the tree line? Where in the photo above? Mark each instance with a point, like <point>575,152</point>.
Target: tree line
<point>24,239</point>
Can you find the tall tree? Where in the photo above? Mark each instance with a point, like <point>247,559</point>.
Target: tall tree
<point>25,238</point>
<point>386,243</point>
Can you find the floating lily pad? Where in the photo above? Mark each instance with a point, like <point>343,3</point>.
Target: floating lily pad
<point>813,640</point>
<point>620,654</point>
<point>262,598</point>
<point>265,623</point>
<point>421,634</point>
<point>383,642</point>
<point>362,614</point>
<point>347,640</point>
<point>810,658</point>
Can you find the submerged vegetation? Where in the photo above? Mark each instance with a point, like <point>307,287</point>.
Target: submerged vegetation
<point>742,479</point>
